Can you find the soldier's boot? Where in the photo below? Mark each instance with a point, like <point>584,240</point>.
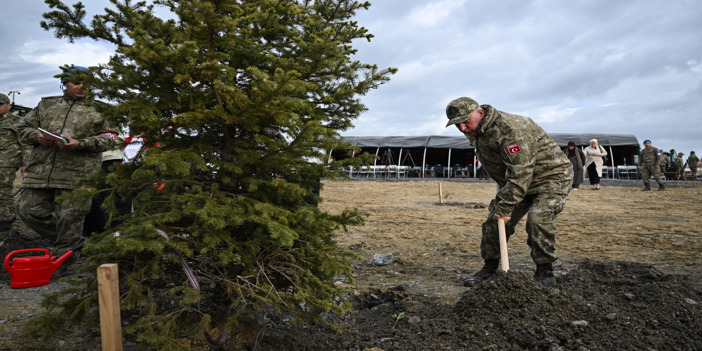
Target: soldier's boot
<point>646,188</point>
<point>487,271</point>
<point>661,187</point>
<point>544,274</point>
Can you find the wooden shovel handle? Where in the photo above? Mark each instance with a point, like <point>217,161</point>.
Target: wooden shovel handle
<point>504,256</point>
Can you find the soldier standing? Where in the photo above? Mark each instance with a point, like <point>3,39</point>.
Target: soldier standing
<point>55,166</point>
<point>648,164</point>
<point>662,162</point>
<point>534,178</point>
<point>692,161</point>
<point>679,166</point>
<point>12,156</point>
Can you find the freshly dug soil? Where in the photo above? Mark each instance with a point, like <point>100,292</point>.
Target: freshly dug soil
<point>628,277</point>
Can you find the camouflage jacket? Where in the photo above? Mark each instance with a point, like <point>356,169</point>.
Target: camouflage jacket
<point>13,153</point>
<point>663,161</point>
<point>51,167</point>
<point>521,157</point>
<point>648,156</point>
<point>678,163</point>
<point>692,160</point>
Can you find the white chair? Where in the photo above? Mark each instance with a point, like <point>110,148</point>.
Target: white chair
<point>390,171</point>
<point>402,171</point>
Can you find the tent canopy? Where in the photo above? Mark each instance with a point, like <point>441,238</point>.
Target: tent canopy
<point>462,143</point>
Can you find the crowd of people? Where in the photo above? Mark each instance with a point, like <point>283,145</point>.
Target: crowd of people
<point>652,163</point>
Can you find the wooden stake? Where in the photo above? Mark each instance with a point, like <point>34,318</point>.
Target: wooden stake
<point>108,295</point>
<point>504,256</point>
<point>441,195</point>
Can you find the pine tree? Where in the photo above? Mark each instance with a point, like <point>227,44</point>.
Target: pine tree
<point>235,99</point>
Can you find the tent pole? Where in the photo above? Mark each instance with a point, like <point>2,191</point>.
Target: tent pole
<point>424,160</point>
<point>448,165</point>
<point>399,162</point>
<point>375,162</point>
<point>475,165</point>
<point>353,154</point>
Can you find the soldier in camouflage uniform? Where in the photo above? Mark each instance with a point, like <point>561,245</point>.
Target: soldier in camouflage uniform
<point>663,162</point>
<point>679,166</point>
<point>534,178</point>
<point>54,167</point>
<point>692,161</point>
<point>648,164</point>
<point>12,154</point>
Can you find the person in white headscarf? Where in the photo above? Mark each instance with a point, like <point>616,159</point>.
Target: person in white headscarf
<point>593,163</point>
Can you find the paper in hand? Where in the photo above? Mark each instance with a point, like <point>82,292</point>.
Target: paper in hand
<point>56,136</point>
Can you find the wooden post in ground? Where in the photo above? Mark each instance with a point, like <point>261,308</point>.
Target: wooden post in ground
<point>441,195</point>
<point>108,295</point>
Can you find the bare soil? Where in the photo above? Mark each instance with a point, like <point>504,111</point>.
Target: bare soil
<point>628,278</point>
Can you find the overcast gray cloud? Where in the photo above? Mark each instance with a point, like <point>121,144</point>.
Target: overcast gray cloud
<point>595,66</point>
<point>622,67</point>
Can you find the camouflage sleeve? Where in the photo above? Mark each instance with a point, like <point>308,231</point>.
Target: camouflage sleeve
<point>104,139</point>
<point>518,155</point>
<point>27,129</point>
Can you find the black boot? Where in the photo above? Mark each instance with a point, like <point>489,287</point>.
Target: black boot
<point>544,274</point>
<point>661,187</point>
<point>487,271</point>
<point>646,188</point>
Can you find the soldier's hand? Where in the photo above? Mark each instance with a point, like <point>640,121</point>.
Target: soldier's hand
<point>72,144</point>
<point>45,140</point>
<point>506,219</point>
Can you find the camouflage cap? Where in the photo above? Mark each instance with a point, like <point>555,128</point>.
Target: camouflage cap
<point>4,98</point>
<point>458,110</point>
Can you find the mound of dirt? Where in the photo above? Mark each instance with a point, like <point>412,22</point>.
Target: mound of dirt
<point>596,306</point>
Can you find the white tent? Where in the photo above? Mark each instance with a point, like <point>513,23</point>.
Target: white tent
<point>626,145</point>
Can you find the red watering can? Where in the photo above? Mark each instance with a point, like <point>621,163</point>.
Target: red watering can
<point>32,271</point>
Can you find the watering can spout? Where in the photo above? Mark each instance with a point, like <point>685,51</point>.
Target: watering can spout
<point>57,262</point>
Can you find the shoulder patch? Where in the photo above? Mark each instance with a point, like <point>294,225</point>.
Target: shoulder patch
<point>514,149</point>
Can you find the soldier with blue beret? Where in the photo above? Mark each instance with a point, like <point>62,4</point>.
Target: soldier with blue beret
<point>649,160</point>
<point>55,166</point>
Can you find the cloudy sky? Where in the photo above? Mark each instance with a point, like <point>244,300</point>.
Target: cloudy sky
<point>579,66</point>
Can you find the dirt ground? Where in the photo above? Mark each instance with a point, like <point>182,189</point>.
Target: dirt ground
<point>629,275</point>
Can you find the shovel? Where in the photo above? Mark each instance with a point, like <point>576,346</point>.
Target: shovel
<point>504,256</point>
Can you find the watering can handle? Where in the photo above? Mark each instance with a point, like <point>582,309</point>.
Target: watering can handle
<point>7,258</point>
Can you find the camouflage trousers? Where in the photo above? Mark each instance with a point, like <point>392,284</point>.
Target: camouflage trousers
<point>541,210</point>
<point>693,171</point>
<point>650,170</point>
<point>62,224</point>
<point>7,203</point>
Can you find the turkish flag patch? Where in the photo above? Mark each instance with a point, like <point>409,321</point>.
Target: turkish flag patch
<point>112,136</point>
<point>514,149</point>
